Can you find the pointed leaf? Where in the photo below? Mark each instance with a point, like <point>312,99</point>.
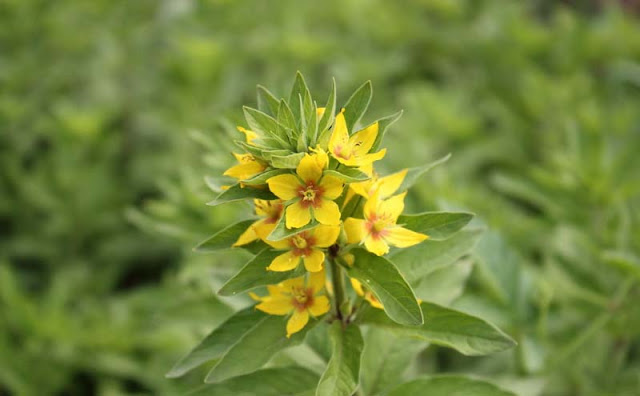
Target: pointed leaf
<point>238,193</point>
<point>357,105</point>
<point>299,90</point>
<point>349,175</point>
<point>292,381</point>
<point>286,120</point>
<point>267,100</point>
<point>281,231</point>
<point>388,285</point>
<point>383,125</point>
<point>286,162</point>
<point>414,173</point>
<point>261,122</point>
<point>342,373</point>
<point>325,122</point>
<point>255,274</point>
<point>261,178</point>
<point>224,238</point>
<point>438,225</point>
<point>256,347</point>
<point>449,328</point>
<point>453,385</point>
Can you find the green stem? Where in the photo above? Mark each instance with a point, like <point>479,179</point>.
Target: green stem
<point>338,286</point>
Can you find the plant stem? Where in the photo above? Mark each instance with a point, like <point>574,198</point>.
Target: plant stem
<point>338,286</point>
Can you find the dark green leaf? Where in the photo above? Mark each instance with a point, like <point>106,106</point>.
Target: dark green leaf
<point>414,173</point>
<point>238,193</point>
<point>357,105</point>
<point>266,338</point>
<point>349,175</point>
<point>224,238</point>
<point>449,385</point>
<point>281,231</point>
<point>437,225</point>
<point>291,381</point>
<point>342,373</point>
<point>388,285</point>
<point>449,328</point>
<point>254,274</point>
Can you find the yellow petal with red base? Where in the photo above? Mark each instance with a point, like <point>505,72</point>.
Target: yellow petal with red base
<point>310,168</point>
<point>354,228</point>
<point>314,261</point>
<point>320,306</point>
<point>325,236</point>
<point>331,186</point>
<point>376,245</point>
<point>402,237</point>
<point>317,281</point>
<point>327,212</point>
<point>392,207</point>
<point>276,305</point>
<point>284,262</point>
<point>284,186</point>
<point>298,320</point>
<point>297,216</point>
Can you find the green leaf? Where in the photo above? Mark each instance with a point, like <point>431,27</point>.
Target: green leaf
<point>254,274</point>
<point>450,385</point>
<point>260,151</point>
<point>256,347</point>
<point>286,162</point>
<point>624,260</point>
<point>286,120</point>
<point>383,125</point>
<point>238,193</point>
<point>349,175</point>
<point>216,344</point>
<point>388,285</point>
<point>342,373</point>
<point>443,286</point>
<point>267,100</point>
<point>385,358</point>
<point>414,173</point>
<point>357,105</point>
<point>449,328</point>
<point>293,381</point>
<point>325,122</point>
<point>261,122</point>
<point>262,178</point>
<point>420,260</point>
<point>281,231</point>
<point>303,139</point>
<point>224,238</point>
<point>499,269</point>
<point>438,225</point>
<point>299,90</point>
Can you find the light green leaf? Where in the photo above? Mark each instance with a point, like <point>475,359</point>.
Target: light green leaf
<point>624,260</point>
<point>267,100</point>
<point>299,90</point>
<point>449,328</point>
<point>499,269</point>
<point>383,125</point>
<point>449,385</point>
<point>420,260</point>
<point>216,344</point>
<point>324,133</point>
<point>443,286</point>
<point>256,347</point>
<point>262,178</point>
<point>261,151</point>
<point>357,105</point>
<point>414,174</point>
<point>342,373</point>
<point>437,225</point>
<point>292,381</point>
<point>388,285</point>
<point>286,162</point>
<point>261,122</point>
<point>281,231</point>
<point>238,193</point>
<point>288,122</point>
<point>349,175</point>
<point>224,238</point>
<point>254,274</point>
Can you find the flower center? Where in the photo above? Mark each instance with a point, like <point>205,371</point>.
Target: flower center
<point>310,195</point>
<point>301,298</point>
<point>300,242</point>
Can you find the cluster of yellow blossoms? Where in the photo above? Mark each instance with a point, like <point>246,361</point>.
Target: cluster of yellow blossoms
<point>324,215</point>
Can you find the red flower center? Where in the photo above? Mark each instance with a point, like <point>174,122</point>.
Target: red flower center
<point>310,195</point>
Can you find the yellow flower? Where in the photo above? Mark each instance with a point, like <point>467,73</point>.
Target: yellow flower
<point>248,167</point>
<point>357,286</point>
<point>378,229</point>
<point>271,212</point>
<point>353,150</point>
<point>306,246</point>
<point>295,296</point>
<point>250,136</point>
<point>386,185</point>
<point>312,191</point>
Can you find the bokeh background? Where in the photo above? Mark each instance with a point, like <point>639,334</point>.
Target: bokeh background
<point>112,113</point>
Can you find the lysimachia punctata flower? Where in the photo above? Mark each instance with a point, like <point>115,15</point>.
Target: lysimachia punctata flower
<point>250,136</point>
<point>310,191</point>
<point>366,294</point>
<point>378,229</point>
<point>354,150</point>
<point>385,186</point>
<point>248,166</point>
<point>296,297</point>
<point>306,246</point>
<point>270,211</point>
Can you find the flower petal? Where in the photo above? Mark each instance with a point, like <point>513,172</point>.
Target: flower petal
<point>284,262</point>
<point>245,171</point>
<point>249,235</point>
<point>325,236</point>
<point>280,245</point>
<point>293,283</point>
<point>284,186</point>
<point>320,306</point>
<point>357,286</point>
<point>332,187</point>
<point>391,183</point>
<point>402,237</point>
<point>370,209</point>
<point>340,135</point>
<point>314,261</point>
<point>297,321</point>
<point>249,135</point>
<point>354,228</point>
<point>311,166</point>
<point>280,305</point>
<point>297,215</point>
<point>376,245</point>
<point>317,281</point>
<point>392,207</point>
<point>263,229</point>
<point>327,212</point>
<point>363,140</point>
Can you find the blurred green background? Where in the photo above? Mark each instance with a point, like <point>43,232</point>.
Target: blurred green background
<point>112,113</point>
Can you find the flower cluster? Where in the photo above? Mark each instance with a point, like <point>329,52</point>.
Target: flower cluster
<point>326,200</point>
